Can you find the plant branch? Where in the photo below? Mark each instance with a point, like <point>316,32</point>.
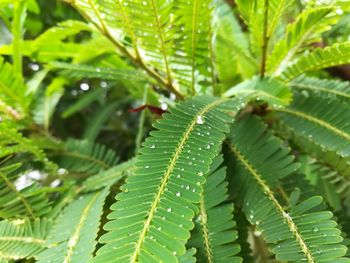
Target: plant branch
<point>265,40</point>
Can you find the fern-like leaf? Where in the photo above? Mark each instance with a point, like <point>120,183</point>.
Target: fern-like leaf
<point>167,181</point>
<point>299,227</point>
<point>14,100</point>
<point>22,238</point>
<point>273,91</point>
<point>73,237</point>
<point>323,121</point>
<point>333,89</point>
<point>84,156</point>
<point>214,235</point>
<point>28,201</point>
<point>337,54</point>
<point>108,177</point>
<point>307,28</point>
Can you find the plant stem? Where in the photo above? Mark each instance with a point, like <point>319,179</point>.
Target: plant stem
<point>265,39</point>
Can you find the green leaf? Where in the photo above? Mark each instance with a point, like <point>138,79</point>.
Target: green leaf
<point>73,238</point>
<point>176,157</point>
<point>337,54</point>
<point>322,121</point>
<point>17,200</point>
<point>294,234</point>
<point>109,177</point>
<point>273,91</point>
<point>22,238</point>
<point>331,89</point>
<point>14,100</point>
<point>84,156</point>
<point>307,28</point>
<point>214,236</point>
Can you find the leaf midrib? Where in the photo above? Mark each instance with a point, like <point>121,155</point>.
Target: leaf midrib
<point>76,235</point>
<point>269,193</point>
<point>167,175</point>
<point>317,121</point>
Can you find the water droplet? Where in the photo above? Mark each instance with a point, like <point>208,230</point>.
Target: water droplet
<point>84,86</point>
<point>144,2</point>
<point>159,228</point>
<point>181,225</point>
<point>178,176</point>
<point>98,70</point>
<point>153,146</point>
<point>174,253</point>
<point>208,146</point>
<point>187,187</point>
<point>163,217</point>
<point>169,209</point>
<point>178,194</point>
<point>315,229</point>
<point>193,190</point>
<point>200,120</point>
<point>200,173</point>
<point>147,166</point>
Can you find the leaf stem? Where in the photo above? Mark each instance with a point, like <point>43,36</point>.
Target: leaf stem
<point>265,40</point>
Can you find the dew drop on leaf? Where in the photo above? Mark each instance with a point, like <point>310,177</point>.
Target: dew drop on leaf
<point>200,120</point>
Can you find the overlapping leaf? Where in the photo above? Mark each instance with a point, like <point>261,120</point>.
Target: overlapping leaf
<point>214,236</point>
<point>151,220</point>
<point>294,233</point>
<point>73,238</point>
<point>23,238</point>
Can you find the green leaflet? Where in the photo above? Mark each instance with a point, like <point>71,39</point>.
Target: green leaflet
<point>307,27</point>
<point>273,91</point>
<point>73,236</point>
<point>84,156</point>
<point>189,256</point>
<point>332,89</point>
<point>321,120</point>
<point>167,181</point>
<point>294,234</point>
<point>14,100</point>
<point>337,54</point>
<point>214,236</point>
<point>108,177</point>
<point>23,238</point>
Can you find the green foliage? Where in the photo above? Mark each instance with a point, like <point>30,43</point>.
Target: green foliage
<point>174,131</point>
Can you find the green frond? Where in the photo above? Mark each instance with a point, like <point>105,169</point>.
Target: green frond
<point>306,29</point>
<point>214,236</point>
<point>108,177</point>
<point>337,54</point>
<point>193,51</point>
<point>14,100</point>
<point>293,233</point>
<point>332,89</point>
<point>73,238</point>
<point>14,202</point>
<point>79,71</point>
<point>273,91</point>
<point>52,44</point>
<point>321,120</point>
<point>167,181</point>
<point>13,142</point>
<point>23,238</point>
<point>84,156</point>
